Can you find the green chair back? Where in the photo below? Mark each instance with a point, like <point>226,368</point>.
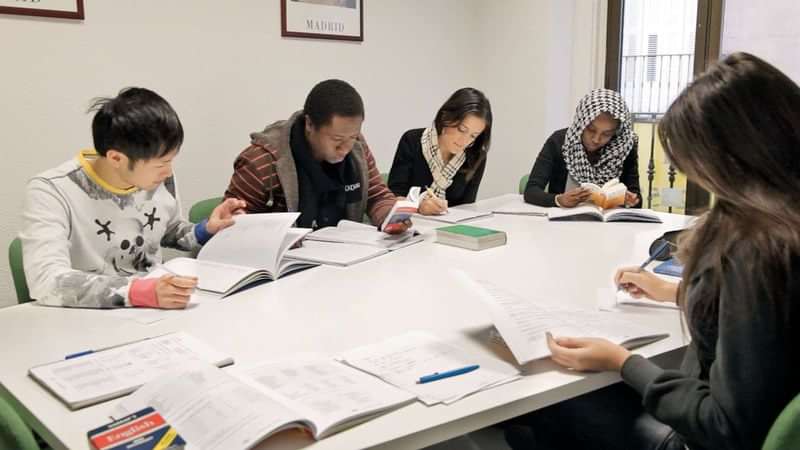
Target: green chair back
<point>18,271</point>
<point>523,182</point>
<point>13,431</point>
<point>203,209</point>
<point>785,432</point>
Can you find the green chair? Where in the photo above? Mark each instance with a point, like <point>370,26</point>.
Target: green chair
<point>13,431</point>
<point>384,177</point>
<point>785,432</point>
<point>203,209</point>
<point>523,182</point>
<point>18,271</point>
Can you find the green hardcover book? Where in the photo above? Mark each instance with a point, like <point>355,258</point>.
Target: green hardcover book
<point>471,237</point>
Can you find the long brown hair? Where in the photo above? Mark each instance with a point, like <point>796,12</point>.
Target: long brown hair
<point>736,132</point>
<point>463,102</point>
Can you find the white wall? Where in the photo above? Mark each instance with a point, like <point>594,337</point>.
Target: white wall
<point>227,71</point>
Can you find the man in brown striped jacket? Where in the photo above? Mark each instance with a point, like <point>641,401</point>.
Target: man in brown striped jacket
<point>316,162</point>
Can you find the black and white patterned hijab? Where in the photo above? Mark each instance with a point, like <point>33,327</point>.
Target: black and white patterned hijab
<point>613,153</point>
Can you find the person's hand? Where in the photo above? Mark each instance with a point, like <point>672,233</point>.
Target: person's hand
<point>222,216</point>
<point>431,206</point>
<point>173,292</point>
<point>572,198</point>
<point>397,227</point>
<point>631,199</point>
<point>587,354</point>
<point>640,283</point>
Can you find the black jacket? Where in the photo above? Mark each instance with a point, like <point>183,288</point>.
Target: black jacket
<point>410,169</point>
<point>742,366</point>
<point>550,171</point>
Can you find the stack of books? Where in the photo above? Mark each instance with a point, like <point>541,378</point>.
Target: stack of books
<point>470,237</point>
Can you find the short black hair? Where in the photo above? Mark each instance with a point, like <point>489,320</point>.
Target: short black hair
<point>332,98</point>
<point>137,122</point>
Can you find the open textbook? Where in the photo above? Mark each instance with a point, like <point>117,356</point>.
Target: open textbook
<point>231,410</point>
<point>403,360</point>
<point>94,376</point>
<point>522,323</point>
<point>350,232</point>
<point>586,211</point>
<point>456,215</point>
<point>609,195</point>
<point>252,250</point>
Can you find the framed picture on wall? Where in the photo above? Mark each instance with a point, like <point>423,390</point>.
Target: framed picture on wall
<point>62,9</point>
<point>323,19</point>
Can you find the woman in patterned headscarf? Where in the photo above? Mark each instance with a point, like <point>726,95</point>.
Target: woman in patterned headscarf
<point>599,146</point>
<point>449,156</point>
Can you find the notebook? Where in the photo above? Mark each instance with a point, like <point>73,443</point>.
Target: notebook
<point>522,322</point>
<point>232,410</point>
<point>94,376</point>
<point>349,232</point>
<point>518,207</point>
<point>403,360</point>
<point>334,253</point>
<point>250,251</point>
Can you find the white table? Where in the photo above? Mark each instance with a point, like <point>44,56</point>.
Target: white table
<point>329,310</point>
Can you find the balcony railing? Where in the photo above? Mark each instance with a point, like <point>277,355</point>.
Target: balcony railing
<point>649,83</point>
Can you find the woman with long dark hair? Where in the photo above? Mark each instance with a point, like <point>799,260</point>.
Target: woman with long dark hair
<point>450,156</point>
<point>736,132</point>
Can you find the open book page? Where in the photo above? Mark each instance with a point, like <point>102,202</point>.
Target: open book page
<point>630,215</point>
<point>106,374</point>
<point>403,359</point>
<point>358,233</point>
<point>523,323</point>
<point>402,210</point>
<point>329,394</point>
<point>211,276</point>
<point>212,409</point>
<point>334,253</point>
<point>254,240</point>
<point>580,212</point>
<point>610,195</point>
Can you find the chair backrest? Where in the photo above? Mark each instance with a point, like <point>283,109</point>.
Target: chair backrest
<point>13,431</point>
<point>523,182</point>
<point>785,432</point>
<point>18,271</point>
<point>203,209</point>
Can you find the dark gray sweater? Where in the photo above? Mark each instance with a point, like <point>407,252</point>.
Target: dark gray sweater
<point>741,368</point>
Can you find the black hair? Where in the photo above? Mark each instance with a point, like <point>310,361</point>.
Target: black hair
<point>138,123</point>
<point>332,98</point>
<point>462,103</point>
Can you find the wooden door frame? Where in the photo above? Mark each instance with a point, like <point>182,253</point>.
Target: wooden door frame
<point>706,51</point>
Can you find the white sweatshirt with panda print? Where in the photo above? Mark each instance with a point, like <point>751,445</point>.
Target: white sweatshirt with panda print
<point>84,242</point>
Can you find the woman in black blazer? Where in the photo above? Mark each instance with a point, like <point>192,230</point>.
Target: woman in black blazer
<point>599,146</point>
<point>450,156</point>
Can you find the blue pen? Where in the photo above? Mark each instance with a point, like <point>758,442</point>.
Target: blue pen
<point>78,354</point>
<point>659,250</point>
<point>447,374</point>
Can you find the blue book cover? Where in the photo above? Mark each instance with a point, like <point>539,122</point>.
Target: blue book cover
<point>142,430</point>
<point>669,267</point>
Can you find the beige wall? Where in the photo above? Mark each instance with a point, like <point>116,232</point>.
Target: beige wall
<point>227,71</point>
